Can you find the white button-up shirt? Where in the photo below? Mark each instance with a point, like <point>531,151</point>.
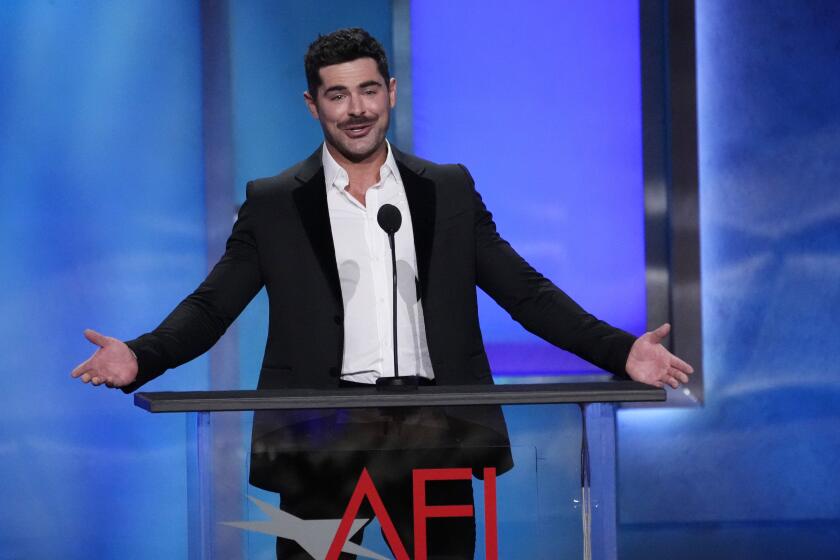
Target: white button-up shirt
<point>363,256</point>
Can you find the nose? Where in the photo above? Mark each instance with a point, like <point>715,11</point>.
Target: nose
<point>357,106</point>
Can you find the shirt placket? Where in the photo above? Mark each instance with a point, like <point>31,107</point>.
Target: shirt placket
<point>380,270</point>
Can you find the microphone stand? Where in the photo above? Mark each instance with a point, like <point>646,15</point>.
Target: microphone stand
<point>406,382</point>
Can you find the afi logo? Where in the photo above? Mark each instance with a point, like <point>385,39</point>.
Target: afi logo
<point>366,489</point>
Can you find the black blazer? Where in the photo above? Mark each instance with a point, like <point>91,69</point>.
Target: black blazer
<point>282,240</point>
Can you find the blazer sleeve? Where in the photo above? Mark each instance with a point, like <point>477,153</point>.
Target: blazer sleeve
<point>537,304</point>
<point>202,318</point>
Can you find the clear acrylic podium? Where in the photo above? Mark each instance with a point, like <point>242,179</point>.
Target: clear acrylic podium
<point>543,479</point>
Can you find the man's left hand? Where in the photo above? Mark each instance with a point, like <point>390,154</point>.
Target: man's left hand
<point>649,362</point>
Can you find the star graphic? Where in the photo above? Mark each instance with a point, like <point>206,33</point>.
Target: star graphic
<point>313,535</point>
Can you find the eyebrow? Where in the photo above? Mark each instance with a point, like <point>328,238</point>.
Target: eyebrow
<point>335,88</point>
<point>363,85</point>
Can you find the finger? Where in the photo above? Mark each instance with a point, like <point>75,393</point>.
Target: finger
<point>681,365</point>
<point>85,378</point>
<point>678,375</point>
<point>672,382</point>
<point>661,332</point>
<point>81,368</point>
<point>93,336</point>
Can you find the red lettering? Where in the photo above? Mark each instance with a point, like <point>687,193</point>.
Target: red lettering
<point>491,529</point>
<point>365,488</point>
<point>423,511</point>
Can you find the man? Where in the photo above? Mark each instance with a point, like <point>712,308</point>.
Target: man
<point>309,235</point>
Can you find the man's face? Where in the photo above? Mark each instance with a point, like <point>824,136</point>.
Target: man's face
<point>353,105</point>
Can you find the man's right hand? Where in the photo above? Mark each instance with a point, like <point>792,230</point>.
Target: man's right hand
<point>113,364</point>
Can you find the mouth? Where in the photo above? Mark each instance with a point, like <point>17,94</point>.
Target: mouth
<point>357,130</point>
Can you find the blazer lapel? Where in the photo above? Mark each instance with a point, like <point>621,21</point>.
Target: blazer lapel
<point>311,200</point>
<point>420,193</point>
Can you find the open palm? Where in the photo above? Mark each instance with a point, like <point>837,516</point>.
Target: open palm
<point>649,362</point>
<point>113,363</point>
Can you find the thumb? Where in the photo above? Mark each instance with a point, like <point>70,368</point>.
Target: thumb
<point>661,332</point>
<point>96,338</point>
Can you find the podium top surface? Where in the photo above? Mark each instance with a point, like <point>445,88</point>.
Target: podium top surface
<point>364,397</point>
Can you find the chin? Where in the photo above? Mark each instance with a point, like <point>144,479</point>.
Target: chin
<point>360,153</point>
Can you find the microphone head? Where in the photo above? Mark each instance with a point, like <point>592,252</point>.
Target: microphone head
<point>389,218</point>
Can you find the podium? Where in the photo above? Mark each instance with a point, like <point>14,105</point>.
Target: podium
<point>514,471</point>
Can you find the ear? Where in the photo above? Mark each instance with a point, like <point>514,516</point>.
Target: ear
<point>310,104</point>
<point>392,92</point>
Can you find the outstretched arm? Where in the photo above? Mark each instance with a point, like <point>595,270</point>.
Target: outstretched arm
<point>547,311</point>
<point>193,326</point>
<point>539,305</point>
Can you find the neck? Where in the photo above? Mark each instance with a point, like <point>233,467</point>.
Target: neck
<point>362,174</point>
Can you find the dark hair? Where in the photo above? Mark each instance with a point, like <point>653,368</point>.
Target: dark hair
<point>344,45</point>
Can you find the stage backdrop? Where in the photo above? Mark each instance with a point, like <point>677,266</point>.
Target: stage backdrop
<point>753,474</point>
<point>543,105</point>
<point>101,226</point>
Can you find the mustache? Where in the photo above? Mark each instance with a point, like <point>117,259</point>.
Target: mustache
<point>355,123</point>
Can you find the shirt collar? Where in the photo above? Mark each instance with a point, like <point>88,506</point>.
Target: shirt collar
<point>336,176</point>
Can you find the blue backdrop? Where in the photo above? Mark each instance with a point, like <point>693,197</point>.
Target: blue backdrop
<point>102,226</point>
<point>752,474</point>
<point>544,107</point>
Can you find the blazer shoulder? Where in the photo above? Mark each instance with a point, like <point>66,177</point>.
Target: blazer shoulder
<point>283,182</point>
<point>446,173</point>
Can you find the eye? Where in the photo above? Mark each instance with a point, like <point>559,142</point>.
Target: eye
<point>337,97</point>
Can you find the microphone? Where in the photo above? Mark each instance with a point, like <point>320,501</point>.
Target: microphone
<point>390,220</point>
